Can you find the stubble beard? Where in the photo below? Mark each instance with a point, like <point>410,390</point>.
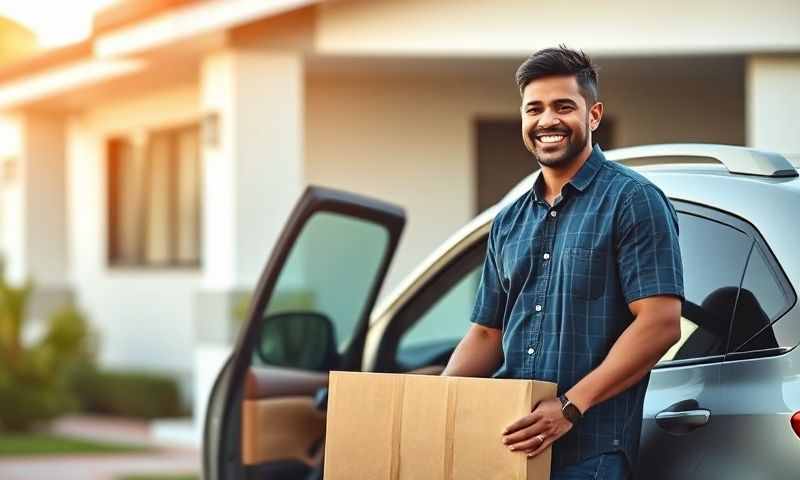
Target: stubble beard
<point>574,147</point>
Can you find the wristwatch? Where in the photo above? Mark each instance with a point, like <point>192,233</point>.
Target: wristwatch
<point>569,410</point>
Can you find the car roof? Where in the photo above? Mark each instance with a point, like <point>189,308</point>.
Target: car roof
<point>764,202</point>
<point>769,203</point>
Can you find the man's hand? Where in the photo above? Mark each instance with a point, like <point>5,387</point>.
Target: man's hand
<point>533,433</point>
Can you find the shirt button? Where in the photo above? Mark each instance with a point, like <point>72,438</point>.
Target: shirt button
<point>553,213</point>
<point>546,256</point>
<point>538,308</point>
<point>530,351</point>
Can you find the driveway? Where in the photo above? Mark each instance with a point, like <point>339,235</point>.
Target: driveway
<point>162,460</point>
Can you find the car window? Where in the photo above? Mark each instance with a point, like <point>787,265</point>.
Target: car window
<point>448,318</point>
<point>714,257</point>
<point>762,300</point>
<point>333,260</point>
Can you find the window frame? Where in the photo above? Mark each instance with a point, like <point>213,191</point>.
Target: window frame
<point>740,224</point>
<point>113,260</point>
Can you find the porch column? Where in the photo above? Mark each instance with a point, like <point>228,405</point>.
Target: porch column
<point>253,159</point>
<point>34,230</point>
<point>773,103</point>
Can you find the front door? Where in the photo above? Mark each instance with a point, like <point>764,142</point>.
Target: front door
<point>309,315</point>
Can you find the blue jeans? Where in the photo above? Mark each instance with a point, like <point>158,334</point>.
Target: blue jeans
<point>608,466</point>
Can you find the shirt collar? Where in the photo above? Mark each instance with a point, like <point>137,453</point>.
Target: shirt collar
<point>582,179</point>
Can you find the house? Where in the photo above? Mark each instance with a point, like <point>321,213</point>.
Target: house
<point>147,170</point>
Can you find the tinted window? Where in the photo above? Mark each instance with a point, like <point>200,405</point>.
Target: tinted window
<point>714,257</point>
<point>334,260</point>
<point>448,318</point>
<point>761,301</point>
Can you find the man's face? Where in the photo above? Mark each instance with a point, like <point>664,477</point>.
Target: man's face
<point>556,123</point>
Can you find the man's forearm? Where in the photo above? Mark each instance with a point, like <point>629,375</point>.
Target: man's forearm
<point>634,354</point>
<point>477,355</point>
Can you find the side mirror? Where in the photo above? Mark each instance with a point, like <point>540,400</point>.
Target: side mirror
<point>303,340</point>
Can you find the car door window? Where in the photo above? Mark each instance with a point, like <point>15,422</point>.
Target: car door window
<point>333,261</point>
<point>764,297</point>
<point>427,328</point>
<point>448,318</point>
<point>714,256</point>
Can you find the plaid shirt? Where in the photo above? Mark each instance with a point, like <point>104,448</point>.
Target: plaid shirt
<point>558,280</point>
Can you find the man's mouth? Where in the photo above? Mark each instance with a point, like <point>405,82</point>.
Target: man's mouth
<point>551,138</point>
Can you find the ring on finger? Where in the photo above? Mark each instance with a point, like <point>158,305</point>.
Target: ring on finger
<point>541,438</point>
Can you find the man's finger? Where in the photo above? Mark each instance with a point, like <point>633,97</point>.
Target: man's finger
<point>523,422</point>
<point>529,444</point>
<point>523,434</point>
<point>541,447</point>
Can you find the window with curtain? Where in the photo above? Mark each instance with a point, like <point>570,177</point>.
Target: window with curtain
<point>154,199</point>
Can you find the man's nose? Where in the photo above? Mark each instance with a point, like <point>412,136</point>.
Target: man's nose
<point>549,118</point>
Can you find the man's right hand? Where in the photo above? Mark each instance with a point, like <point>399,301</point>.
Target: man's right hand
<point>478,354</point>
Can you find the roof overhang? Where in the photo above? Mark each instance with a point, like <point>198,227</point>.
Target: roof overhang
<point>121,43</point>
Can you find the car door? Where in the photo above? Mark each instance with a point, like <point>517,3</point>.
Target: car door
<point>685,395</point>
<point>759,377</point>
<point>309,314</point>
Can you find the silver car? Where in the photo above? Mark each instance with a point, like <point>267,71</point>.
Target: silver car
<point>724,402</point>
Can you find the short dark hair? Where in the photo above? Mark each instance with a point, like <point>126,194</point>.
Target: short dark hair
<point>560,61</point>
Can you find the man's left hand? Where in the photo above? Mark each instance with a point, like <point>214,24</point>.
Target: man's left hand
<point>533,433</point>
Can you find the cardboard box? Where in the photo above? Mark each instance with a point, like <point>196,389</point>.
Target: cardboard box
<point>418,427</point>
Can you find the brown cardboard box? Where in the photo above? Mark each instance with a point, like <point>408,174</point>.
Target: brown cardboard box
<point>418,427</point>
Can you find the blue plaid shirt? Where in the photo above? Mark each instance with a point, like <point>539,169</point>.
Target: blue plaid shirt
<point>558,280</point>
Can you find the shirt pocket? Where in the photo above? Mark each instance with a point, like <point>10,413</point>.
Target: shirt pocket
<point>584,270</point>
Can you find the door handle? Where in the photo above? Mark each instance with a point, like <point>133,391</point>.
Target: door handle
<point>683,417</point>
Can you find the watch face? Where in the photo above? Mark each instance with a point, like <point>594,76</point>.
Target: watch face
<point>572,413</point>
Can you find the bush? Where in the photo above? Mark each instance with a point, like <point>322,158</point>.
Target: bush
<point>34,378</point>
<point>129,394</point>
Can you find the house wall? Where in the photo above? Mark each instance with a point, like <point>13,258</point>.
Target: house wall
<point>409,139</point>
<point>144,315</point>
<point>479,27</point>
<point>773,103</point>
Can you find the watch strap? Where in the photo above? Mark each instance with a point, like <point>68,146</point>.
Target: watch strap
<point>569,410</point>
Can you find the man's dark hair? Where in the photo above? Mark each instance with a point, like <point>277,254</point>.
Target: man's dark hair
<point>560,61</point>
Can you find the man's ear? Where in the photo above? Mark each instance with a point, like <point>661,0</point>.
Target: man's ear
<point>595,115</point>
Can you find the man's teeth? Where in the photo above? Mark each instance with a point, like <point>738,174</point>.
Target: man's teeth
<point>551,138</point>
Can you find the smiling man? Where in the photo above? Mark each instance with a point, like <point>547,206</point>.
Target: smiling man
<point>582,283</point>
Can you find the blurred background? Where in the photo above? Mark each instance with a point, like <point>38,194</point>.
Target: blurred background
<point>151,150</point>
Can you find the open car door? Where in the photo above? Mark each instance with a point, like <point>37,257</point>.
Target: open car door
<point>309,315</point>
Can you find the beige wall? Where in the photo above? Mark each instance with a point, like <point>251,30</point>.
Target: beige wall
<point>409,139</point>
<point>773,102</point>
<point>404,140</point>
<point>144,315</point>
<point>479,27</point>
<point>674,100</point>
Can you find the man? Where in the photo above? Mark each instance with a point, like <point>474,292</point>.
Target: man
<point>582,283</point>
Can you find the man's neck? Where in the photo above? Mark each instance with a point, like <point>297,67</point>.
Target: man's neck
<point>555,178</point>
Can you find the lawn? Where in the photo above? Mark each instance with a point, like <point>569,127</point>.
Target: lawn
<point>19,444</point>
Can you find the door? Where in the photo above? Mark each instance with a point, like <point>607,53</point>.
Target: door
<point>759,376</point>
<point>309,315</point>
<point>685,395</point>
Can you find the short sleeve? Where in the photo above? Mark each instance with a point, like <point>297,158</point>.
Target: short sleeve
<point>490,300</point>
<point>648,251</point>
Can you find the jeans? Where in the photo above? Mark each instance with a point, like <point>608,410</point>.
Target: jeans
<point>608,466</point>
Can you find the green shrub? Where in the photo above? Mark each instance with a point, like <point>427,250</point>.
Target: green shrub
<point>129,394</point>
<point>34,379</point>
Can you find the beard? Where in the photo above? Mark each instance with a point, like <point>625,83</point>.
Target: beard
<point>560,155</point>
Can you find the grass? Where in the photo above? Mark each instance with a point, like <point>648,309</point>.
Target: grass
<point>19,444</point>
<point>158,477</point>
